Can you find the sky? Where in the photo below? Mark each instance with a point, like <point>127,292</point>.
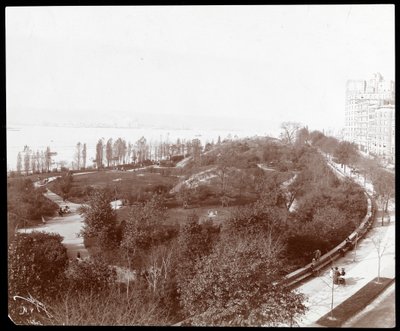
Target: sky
<point>243,66</point>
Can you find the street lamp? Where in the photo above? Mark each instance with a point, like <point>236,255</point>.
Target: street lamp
<point>355,247</point>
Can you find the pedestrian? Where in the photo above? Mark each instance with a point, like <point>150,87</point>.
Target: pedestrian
<point>317,254</point>
<point>312,266</point>
<point>336,276</point>
<point>341,279</point>
<point>78,256</point>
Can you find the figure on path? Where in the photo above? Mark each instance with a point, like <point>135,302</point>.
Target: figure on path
<point>317,254</point>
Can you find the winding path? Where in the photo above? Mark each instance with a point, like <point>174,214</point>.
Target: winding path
<point>68,226</point>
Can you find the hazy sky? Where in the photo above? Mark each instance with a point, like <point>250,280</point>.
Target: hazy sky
<point>259,65</point>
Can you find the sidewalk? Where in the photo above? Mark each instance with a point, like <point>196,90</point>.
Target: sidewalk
<point>358,272</point>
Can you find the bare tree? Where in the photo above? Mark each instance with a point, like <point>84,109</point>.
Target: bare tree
<point>27,159</point>
<point>84,156</point>
<point>289,131</point>
<point>33,162</point>
<point>109,151</point>
<point>99,154</point>
<point>19,163</point>
<point>380,247</point>
<point>48,156</point>
<point>78,155</point>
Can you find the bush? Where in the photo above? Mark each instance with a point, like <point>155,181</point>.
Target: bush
<point>36,265</point>
<point>92,274</point>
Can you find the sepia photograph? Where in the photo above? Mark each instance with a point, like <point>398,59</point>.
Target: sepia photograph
<point>210,165</point>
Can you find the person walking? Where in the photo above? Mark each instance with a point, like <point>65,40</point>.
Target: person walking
<point>317,254</point>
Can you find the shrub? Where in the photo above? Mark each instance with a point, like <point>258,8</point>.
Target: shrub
<point>92,274</point>
<point>36,264</point>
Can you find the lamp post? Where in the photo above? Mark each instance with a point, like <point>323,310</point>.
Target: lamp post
<point>355,247</point>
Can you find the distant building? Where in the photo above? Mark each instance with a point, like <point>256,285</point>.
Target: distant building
<point>369,115</point>
<point>382,134</point>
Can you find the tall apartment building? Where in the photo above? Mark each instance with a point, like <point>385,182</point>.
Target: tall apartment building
<point>369,115</point>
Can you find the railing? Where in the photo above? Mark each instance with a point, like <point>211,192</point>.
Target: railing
<point>295,278</point>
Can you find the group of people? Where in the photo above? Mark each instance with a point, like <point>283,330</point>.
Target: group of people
<point>64,210</point>
<point>338,276</point>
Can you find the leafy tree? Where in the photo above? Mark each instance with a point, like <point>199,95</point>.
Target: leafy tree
<point>100,219</point>
<point>234,285</point>
<point>384,189</point>
<point>65,184</point>
<point>36,264</point>
<point>144,225</point>
<point>346,153</point>
<point>194,241</point>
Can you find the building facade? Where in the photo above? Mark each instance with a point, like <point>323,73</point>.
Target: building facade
<point>369,115</point>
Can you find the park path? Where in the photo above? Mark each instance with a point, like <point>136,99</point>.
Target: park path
<point>68,226</point>
<point>361,267</point>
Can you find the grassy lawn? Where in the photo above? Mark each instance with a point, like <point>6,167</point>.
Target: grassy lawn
<point>355,303</point>
<point>125,183</point>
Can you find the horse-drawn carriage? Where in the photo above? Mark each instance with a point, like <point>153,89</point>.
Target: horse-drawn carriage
<point>64,210</point>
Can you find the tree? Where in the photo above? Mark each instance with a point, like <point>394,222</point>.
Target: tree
<point>225,160</point>
<point>100,219</point>
<point>27,158</point>
<point>33,163</point>
<point>78,155</point>
<point>289,131</point>
<point>302,136</point>
<point>48,157</point>
<point>36,265</point>
<point>141,149</point>
<point>194,242</point>
<point>99,154</point>
<point>84,156</point>
<point>380,247</point>
<point>38,160</point>
<point>384,189</point>
<point>19,163</point>
<point>346,153</point>
<point>235,285</point>
<point>196,146</point>
<point>143,227</point>
<point>65,184</point>
<point>109,151</point>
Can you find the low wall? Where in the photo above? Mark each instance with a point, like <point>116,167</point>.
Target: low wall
<point>295,278</point>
